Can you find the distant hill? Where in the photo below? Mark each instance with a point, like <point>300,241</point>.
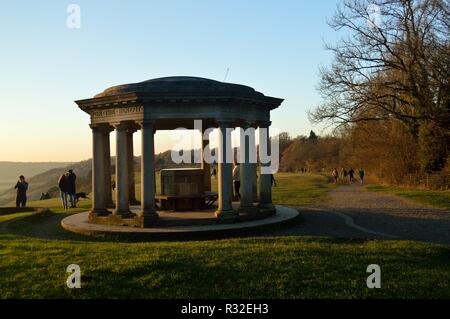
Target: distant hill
<point>10,171</point>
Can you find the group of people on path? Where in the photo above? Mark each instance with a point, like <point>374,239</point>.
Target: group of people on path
<point>347,176</point>
<point>67,187</point>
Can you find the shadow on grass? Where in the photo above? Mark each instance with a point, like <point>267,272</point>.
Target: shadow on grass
<point>290,267</point>
<point>46,224</point>
<point>15,210</point>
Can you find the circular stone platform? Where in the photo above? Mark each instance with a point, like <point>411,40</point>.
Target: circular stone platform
<point>177,225</point>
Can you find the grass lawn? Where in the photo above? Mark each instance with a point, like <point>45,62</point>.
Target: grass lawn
<point>300,189</point>
<point>428,197</point>
<point>35,251</point>
<point>290,267</point>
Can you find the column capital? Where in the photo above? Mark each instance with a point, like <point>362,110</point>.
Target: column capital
<point>121,126</point>
<point>245,124</point>
<point>264,123</point>
<point>147,124</point>
<point>225,122</point>
<point>131,130</point>
<point>103,128</point>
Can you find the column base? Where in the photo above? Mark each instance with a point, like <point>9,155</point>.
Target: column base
<point>147,219</point>
<point>248,210</point>
<point>131,219</point>
<point>110,205</point>
<point>123,213</point>
<point>99,212</point>
<point>267,207</point>
<point>226,216</point>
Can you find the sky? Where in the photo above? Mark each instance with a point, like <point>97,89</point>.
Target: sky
<point>275,47</point>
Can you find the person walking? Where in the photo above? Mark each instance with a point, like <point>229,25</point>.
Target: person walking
<point>344,175</point>
<point>351,174</point>
<point>71,188</point>
<point>22,187</point>
<point>335,175</point>
<point>237,180</point>
<point>361,175</point>
<point>63,187</point>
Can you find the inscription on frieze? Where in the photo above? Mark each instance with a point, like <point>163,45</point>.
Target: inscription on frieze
<point>117,111</point>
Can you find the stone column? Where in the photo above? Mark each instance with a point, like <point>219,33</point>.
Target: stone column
<point>148,211</point>
<point>122,191</point>
<point>131,179</point>
<point>225,209</point>
<point>255,183</point>
<point>247,156</point>
<point>98,171</point>
<point>206,166</point>
<point>265,180</point>
<point>108,187</point>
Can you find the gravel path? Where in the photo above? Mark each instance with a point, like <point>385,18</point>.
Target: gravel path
<point>352,211</point>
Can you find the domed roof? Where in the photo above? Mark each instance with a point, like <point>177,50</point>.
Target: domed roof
<point>179,85</point>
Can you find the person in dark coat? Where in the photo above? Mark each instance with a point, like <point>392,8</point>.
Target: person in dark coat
<point>62,185</point>
<point>351,173</point>
<point>71,188</point>
<point>361,174</point>
<point>22,187</point>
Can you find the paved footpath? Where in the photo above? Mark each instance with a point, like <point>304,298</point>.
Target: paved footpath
<point>354,212</point>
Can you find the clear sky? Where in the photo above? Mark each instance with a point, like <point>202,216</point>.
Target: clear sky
<point>275,47</point>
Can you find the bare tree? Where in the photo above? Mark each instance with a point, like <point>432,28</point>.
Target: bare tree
<point>397,63</point>
<point>394,64</point>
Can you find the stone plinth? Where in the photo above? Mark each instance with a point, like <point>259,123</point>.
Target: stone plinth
<point>131,219</point>
<point>182,226</point>
<point>182,189</point>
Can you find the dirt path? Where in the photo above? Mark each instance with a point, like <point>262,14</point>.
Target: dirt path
<point>352,211</point>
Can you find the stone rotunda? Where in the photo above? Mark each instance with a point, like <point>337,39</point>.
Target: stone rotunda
<point>166,104</point>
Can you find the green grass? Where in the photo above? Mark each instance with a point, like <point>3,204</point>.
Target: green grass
<point>35,251</point>
<point>290,267</point>
<point>428,197</point>
<point>304,189</point>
